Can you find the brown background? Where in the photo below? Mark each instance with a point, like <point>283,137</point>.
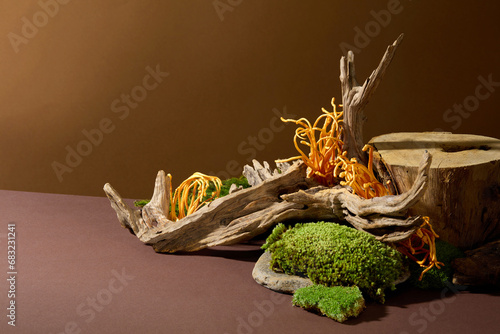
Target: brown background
<point>225,78</point>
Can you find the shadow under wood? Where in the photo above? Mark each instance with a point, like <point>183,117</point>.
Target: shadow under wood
<point>247,252</point>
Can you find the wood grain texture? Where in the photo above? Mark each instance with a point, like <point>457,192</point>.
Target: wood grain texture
<point>463,196</point>
<point>234,218</point>
<point>355,97</point>
<point>285,197</point>
<point>283,194</point>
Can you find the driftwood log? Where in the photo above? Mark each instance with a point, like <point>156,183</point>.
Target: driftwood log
<point>234,218</point>
<point>287,195</point>
<point>355,97</point>
<point>246,213</point>
<point>463,196</point>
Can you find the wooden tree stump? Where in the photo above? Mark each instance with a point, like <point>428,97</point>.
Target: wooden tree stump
<point>463,194</point>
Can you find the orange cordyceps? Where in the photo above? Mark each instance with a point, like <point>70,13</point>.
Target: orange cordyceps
<point>329,165</point>
<point>415,245</point>
<point>189,196</point>
<point>360,178</point>
<point>324,144</point>
<point>326,161</point>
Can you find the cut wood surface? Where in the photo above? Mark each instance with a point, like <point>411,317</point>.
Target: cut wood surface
<point>463,194</point>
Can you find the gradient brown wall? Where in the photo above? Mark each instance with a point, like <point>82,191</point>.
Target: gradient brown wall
<point>233,66</point>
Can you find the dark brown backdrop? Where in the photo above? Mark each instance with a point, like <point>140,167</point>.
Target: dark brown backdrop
<point>233,66</point>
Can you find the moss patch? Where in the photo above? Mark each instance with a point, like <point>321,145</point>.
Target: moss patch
<point>338,302</point>
<point>436,278</point>
<point>226,184</point>
<point>332,255</point>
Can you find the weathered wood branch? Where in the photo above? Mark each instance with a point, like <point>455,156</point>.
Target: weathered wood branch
<point>259,173</point>
<point>285,195</point>
<point>355,98</point>
<point>384,217</point>
<point>128,218</point>
<point>156,211</point>
<point>387,229</point>
<point>394,204</point>
<point>234,218</point>
<point>249,212</point>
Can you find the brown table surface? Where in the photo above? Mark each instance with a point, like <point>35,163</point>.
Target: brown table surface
<point>78,271</point>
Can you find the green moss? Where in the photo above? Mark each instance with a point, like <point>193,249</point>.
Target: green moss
<point>226,184</point>
<point>331,254</point>
<point>436,278</point>
<point>275,235</point>
<point>338,302</point>
<point>141,202</point>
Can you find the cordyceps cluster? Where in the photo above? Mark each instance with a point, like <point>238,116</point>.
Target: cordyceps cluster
<point>415,245</point>
<point>324,143</point>
<point>360,178</point>
<point>192,194</point>
<point>329,165</point>
<point>326,162</point>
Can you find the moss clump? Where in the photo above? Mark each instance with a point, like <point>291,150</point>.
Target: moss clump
<point>275,235</point>
<point>226,184</point>
<point>338,302</point>
<point>141,202</point>
<point>436,278</point>
<point>331,254</point>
